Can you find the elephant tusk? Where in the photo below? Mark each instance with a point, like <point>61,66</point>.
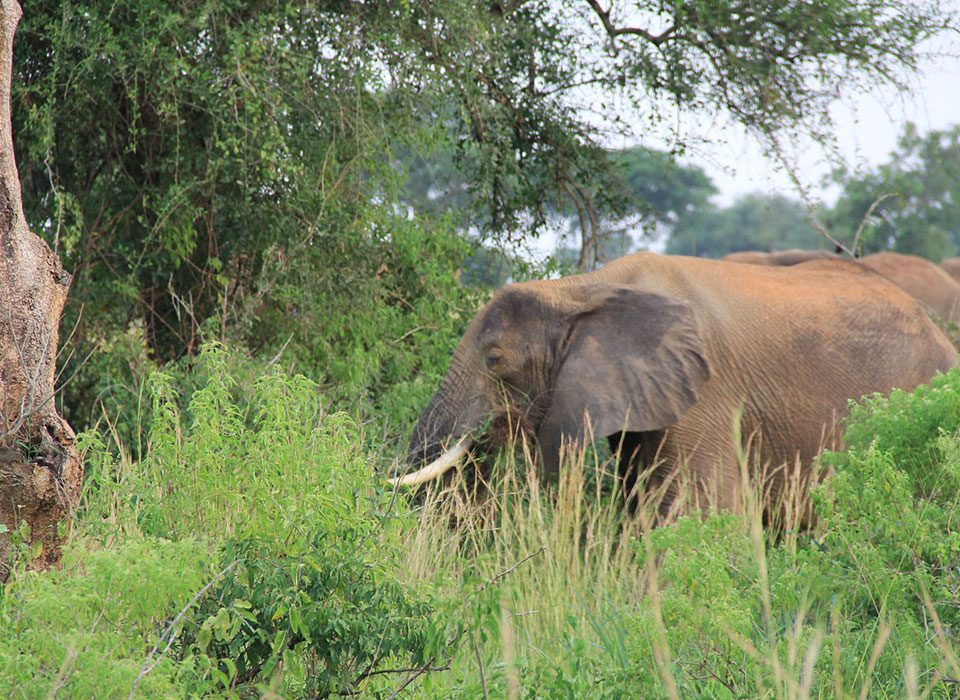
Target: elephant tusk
<point>437,467</point>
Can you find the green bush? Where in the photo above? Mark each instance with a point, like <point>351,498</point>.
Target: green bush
<point>376,336</point>
<point>377,333</point>
<point>86,631</point>
<point>908,426</point>
<point>330,615</point>
<point>261,520</point>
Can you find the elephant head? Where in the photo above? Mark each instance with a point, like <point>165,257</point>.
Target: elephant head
<point>565,361</point>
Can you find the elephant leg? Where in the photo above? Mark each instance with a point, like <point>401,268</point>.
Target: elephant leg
<point>787,490</point>
<point>642,469</point>
<point>717,483</point>
<point>678,471</point>
<point>696,472</point>
<point>627,448</point>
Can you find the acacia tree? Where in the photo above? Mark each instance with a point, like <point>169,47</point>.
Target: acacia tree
<point>528,80</point>
<point>40,473</point>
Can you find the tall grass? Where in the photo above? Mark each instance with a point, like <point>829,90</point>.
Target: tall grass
<point>593,602</point>
<point>252,551</point>
<point>559,557</point>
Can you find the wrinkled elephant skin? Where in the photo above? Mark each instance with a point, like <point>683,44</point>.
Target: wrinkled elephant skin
<point>663,354</point>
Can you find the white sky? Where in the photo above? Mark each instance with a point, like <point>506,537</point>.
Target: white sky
<point>867,130</point>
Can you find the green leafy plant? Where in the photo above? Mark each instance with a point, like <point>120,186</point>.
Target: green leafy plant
<point>251,545</point>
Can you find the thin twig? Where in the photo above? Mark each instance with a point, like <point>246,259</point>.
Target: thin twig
<point>415,329</point>
<point>276,358</point>
<point>453,652</point>
<point>866,219</point>
<point>479,657</point>
<point>410,679</point>
<point>420,669</point>
<point>507,572</point>
<point>59,200</point>
<point>168,632</point>
<point>384,671</point>
<point>614,31</point>
<point>805,197</point>
<point>66,668</point>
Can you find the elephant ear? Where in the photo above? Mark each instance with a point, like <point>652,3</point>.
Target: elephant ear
<point>633,361</point>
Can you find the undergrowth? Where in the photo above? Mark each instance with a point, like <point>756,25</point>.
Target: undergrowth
<point>865,605</point>
<point>252,551</point>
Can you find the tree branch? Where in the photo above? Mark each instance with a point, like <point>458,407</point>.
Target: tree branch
<point>614,31</point>
<point>429,667</point>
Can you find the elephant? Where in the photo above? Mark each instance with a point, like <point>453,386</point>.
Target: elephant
<point>664,356</point>
<point>952,267</point>
<point>780,258</point>
<point>929,284</point>
<point>925,281</point>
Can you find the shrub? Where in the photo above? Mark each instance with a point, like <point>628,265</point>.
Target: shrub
<point>908,427</point>
<point>264,515</point>
<point>86,631</point>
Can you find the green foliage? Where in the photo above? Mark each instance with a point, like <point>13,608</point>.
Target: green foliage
<point>204,180</point>
<point>890,507</point>
<point>251,547</point>
<point>657,193</point>
<point>264,515</point>
<point>377,334</point>
<point>85,631</point>
<point>913,429</point>
<point>660,186</point>
<point>642,189</point>
<point>240,170</point>
<point>913,198</point>
<point>711,561</point>
<point>326,614</point>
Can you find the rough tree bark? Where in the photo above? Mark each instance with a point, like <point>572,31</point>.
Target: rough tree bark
<point>40,472</point>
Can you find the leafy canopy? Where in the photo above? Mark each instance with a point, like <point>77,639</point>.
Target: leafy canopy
<point>237,169</point>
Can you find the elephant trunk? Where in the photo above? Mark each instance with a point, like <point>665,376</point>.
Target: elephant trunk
<point>444,430</point>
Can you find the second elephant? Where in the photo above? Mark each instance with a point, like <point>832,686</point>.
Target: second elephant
<point>925,281</point>
<point>930,284</point>
<point>952,267</point>
<point>780,258</point>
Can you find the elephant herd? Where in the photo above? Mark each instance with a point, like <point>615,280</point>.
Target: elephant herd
<point>689,367</point>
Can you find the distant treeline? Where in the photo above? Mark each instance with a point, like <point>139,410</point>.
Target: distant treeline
<point>910,204</point>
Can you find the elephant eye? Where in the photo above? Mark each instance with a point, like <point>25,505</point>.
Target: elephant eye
<point>493,359</point>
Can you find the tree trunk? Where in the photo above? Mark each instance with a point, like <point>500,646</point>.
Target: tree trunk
<point>40,471</point>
